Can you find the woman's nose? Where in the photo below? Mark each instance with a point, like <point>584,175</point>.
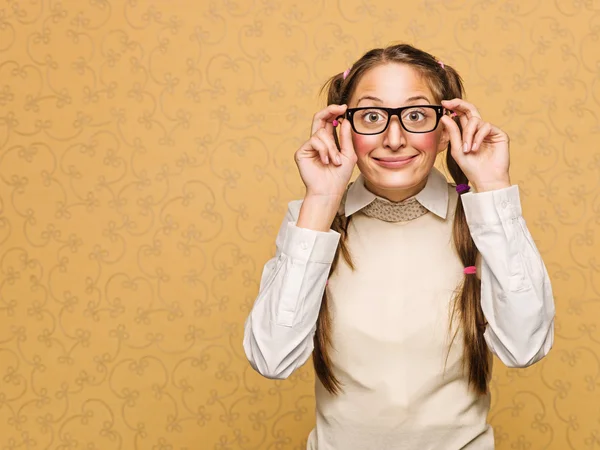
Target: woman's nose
<point>394,134</point>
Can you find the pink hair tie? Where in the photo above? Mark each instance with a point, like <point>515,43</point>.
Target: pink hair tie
<point>462,188</point>
<point>346,72</point>
<point>441,64</point>
<point>470,270</point>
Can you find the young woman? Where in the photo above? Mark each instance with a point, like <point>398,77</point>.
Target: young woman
<point>400,284</point>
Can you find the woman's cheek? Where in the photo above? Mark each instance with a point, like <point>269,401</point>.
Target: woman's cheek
<point>363,144</point>
<point>425,142</point>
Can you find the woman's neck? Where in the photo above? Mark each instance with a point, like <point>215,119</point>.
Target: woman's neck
<point>396,195</point>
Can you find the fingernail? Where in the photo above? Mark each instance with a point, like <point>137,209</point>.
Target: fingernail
<point>327,159</point>
<point>335,123</point>
<point>465,147</point>
<point>474,146</point>
<point>337,159</point>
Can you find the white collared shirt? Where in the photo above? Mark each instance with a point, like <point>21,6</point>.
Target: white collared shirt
<point>434,196</point>
<point>403,384</point>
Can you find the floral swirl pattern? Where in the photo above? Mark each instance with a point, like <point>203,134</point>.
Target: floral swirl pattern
<point>145,165</point>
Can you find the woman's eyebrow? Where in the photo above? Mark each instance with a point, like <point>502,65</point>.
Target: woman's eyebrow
<point>369,97</point>
<point>418,97</point>
<point>378,100</point>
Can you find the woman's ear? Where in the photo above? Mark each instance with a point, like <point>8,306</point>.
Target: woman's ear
<point>444,139</point>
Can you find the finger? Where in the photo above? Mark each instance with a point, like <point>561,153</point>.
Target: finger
<point>320,146</point>
<point>332,150</point>
<point>458,115</point>
<point>454,116</point>
<point>498,134</point>
<point>481,134</point>
<point>328,127</point>
<point>462,118</point>
<point>461,106</point>
<point>455,136</point>
<point>346,144</point>
<point>326,116</point>
<point>468,132</point>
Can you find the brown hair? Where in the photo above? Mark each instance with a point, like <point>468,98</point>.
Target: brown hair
<point>445,84</point>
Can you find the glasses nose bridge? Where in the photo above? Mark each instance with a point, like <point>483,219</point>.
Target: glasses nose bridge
<point>395,113</point>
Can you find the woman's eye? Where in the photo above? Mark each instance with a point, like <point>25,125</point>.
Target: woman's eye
<point>372,116</point>
<point>415,116</point>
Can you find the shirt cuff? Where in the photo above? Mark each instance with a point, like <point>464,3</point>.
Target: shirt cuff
<point>492,207</point>
<point>310,245</point>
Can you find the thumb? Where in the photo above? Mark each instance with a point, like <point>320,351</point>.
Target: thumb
<point>346,145</point>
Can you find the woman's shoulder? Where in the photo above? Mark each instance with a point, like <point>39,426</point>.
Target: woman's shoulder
<point>452,188</point>
<point>452,198</point>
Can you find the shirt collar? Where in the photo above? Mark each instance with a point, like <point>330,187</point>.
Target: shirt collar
<point>434,196</point>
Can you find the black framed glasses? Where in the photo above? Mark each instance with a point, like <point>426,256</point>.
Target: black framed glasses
<point>414,119</point>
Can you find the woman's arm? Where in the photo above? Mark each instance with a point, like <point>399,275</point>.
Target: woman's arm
<point>278,334</point>
<point>516,295</point>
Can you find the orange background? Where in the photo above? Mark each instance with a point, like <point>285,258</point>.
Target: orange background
<point>146,161</point>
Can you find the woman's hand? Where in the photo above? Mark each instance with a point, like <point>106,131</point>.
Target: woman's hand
<point>482,151</point>
<point>324,169</point>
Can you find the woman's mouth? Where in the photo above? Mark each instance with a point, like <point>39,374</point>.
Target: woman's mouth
<point>396,161</point>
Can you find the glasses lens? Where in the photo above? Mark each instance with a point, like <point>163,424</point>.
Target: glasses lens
<point>420,119</point>
<point>370,121</point>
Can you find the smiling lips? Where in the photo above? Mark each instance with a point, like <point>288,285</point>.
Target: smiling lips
<point>393,162</point>
<point>395,158</point>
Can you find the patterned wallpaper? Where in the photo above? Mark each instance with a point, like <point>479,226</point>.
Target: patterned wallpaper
<point>146,161</point>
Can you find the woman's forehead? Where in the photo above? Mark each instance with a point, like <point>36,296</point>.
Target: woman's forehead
<point>393,83</point>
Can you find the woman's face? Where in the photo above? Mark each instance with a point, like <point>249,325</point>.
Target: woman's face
<point>395,163</point>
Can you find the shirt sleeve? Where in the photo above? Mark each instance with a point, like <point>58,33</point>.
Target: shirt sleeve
<point>279,331</point>
<point>516,295</point>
